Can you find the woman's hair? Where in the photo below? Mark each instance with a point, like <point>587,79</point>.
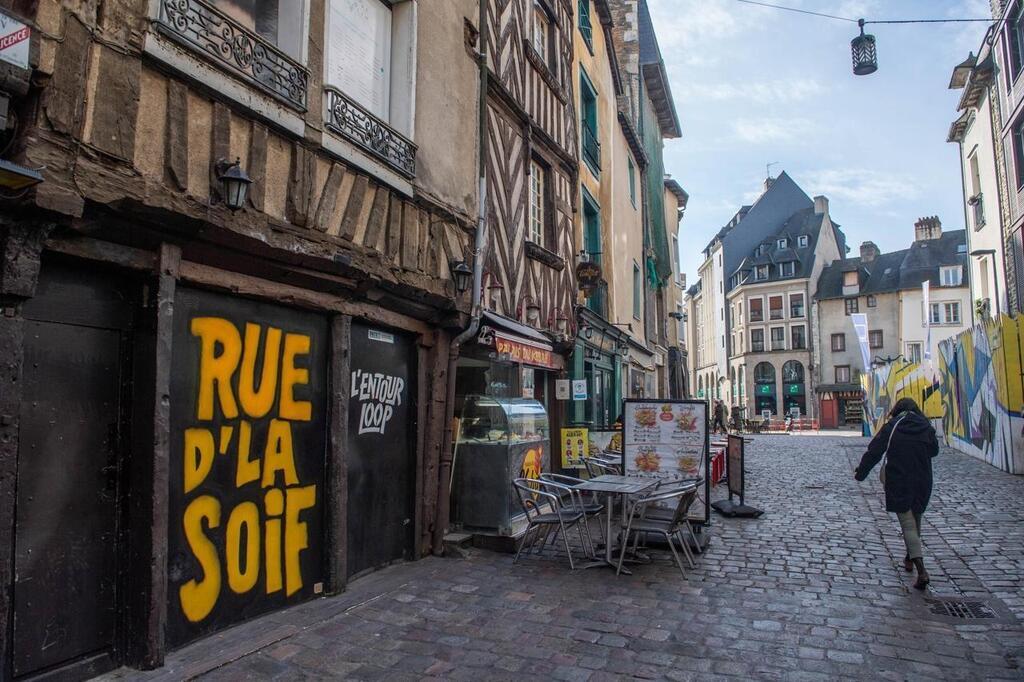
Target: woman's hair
<point>905,405</point>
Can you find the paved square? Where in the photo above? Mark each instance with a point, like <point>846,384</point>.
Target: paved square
<point>812,590</point>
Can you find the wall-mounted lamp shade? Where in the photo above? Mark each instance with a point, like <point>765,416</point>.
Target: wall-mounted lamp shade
<point>462,275</point>
<point>234,183</point>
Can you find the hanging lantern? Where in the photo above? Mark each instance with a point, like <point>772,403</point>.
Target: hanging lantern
<point>865,55</point>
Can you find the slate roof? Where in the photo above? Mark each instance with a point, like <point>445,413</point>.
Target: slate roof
<point>803,223</point>
<point>899,270</point>
<point>653,67</point>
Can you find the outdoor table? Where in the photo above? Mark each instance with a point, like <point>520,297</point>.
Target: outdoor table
<point>613,485</point>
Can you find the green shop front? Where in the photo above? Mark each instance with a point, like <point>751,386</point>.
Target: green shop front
<point>597,359</point>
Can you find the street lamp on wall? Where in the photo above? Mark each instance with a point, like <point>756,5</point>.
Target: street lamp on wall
<point>234,182</point>
<point>462,275</point>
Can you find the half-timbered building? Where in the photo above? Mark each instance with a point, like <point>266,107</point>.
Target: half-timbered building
<point>216,403</point>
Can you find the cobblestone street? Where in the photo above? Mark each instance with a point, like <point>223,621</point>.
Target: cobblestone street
<point>811,590</point>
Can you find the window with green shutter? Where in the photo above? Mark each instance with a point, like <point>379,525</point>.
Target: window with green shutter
<point>586,30</point>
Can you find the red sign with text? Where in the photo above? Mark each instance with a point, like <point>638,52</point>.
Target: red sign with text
<point>525,353</point>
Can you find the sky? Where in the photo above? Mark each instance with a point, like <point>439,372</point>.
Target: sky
<point>754,85</point>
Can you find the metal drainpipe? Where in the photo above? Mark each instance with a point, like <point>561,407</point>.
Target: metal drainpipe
<point>479,256</point>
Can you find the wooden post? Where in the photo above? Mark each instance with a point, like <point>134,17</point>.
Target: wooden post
<point>337,455</point>
<point>151,472</point>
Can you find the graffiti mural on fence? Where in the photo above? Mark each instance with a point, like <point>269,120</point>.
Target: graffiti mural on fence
<point>883,386</point>
<point>247,461</point>
<point>983,394</point>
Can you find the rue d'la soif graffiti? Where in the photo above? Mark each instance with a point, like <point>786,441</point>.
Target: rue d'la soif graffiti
<point>246,516</point>
<point>976,389</point>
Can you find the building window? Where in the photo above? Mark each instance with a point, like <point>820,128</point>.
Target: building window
<point>787,269</point>
<point>638,291</point>
<point>538,212</point>
<point>632,184</point>
<point>761,273</point>
<point>914,352</point>
<point>796,305</point>
<point>951,276</point>
<point>850,279</point>
<point>872,301</point>
<point>740,318</point>
<point>852,306</point>
<point>586,30</point>
<point>838,342</point>
<point>952,312</point>
<point>757,340</point>
<point>842,374</point>
<point>542,34</point>
<point>775,311</point>
<point>798,337</point>
<point>757,310</point>
<point>1015,29</point>
<point>591,146</point>
<point>1018,150</point>
<point>783,243</point>
<point>875,338</point>
<point>935,314</point>
<point>802,241</point>
<point>778,338</point>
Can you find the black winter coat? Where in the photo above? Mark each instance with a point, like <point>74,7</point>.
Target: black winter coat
<point>908,474</point>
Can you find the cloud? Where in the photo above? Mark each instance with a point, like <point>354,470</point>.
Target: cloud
<point>764,130</point>
<point>867,188</point>
<point>783,91</point>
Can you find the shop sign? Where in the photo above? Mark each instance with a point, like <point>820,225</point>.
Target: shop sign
<point>14,41</point>
<point>563,389</point>
<point>574,448</point>
<point>516,351</point>
<point>579,389</point>
<point>588,275</point>
<point>248,406</point>
<point>765,389</point>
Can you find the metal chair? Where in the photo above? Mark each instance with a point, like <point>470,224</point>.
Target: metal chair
<point>670,529</point>
<point>530,491</point>
<point>605,467</point>
<point>591,508</point>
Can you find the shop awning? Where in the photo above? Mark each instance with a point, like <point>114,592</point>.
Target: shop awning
<point>517,342</point>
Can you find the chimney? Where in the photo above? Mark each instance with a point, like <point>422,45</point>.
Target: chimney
<point>997,9</point>
<point>927,228</point>
<point>868,252</point>
<point>768,183</point>
<point>820,205</point>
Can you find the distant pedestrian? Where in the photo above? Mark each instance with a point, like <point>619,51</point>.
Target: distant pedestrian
<point>908,443</point>
<point>720,416</point>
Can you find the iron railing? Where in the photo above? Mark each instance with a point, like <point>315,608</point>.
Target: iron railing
<point>597,299</point>
<point>591,147</point>
<point>200,26</point>
<point>353,122</point>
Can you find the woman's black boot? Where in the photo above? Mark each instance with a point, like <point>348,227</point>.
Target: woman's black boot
<point>922,575</point>
<point>908,565</point>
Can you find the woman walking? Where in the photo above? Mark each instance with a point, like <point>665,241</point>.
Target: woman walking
<point>908,443</point>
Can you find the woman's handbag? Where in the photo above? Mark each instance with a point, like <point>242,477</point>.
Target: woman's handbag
<point>885,456</point>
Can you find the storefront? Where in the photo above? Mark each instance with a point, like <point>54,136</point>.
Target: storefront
<point>842,406</point>
<point>597,359</point>
<point>794,390</point>
<point>765,401</point>
<point>506,411</point>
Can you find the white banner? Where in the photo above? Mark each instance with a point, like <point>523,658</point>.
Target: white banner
<point>925,291</point>
<point>860,326</point>
<point>14,41</point>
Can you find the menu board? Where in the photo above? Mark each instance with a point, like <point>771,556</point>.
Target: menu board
<point>666,439</point>
<point>734,466</point>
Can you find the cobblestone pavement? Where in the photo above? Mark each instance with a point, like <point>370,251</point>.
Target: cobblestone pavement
<point>811,590</point>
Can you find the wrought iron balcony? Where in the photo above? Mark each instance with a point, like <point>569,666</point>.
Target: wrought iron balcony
<point>353,122</point>
<point>979,210</point>
<point>591,147</point>
<point>200,26</point>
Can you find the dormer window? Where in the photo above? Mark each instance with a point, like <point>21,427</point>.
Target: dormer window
<point>850,279</point>
<point>783,243</point>
<point>951,276</point>
<point>787,269</point>
<point>761,273</point>
<point>802,241</point>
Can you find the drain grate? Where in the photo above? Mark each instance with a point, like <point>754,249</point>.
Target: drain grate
<point>961,608</point>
